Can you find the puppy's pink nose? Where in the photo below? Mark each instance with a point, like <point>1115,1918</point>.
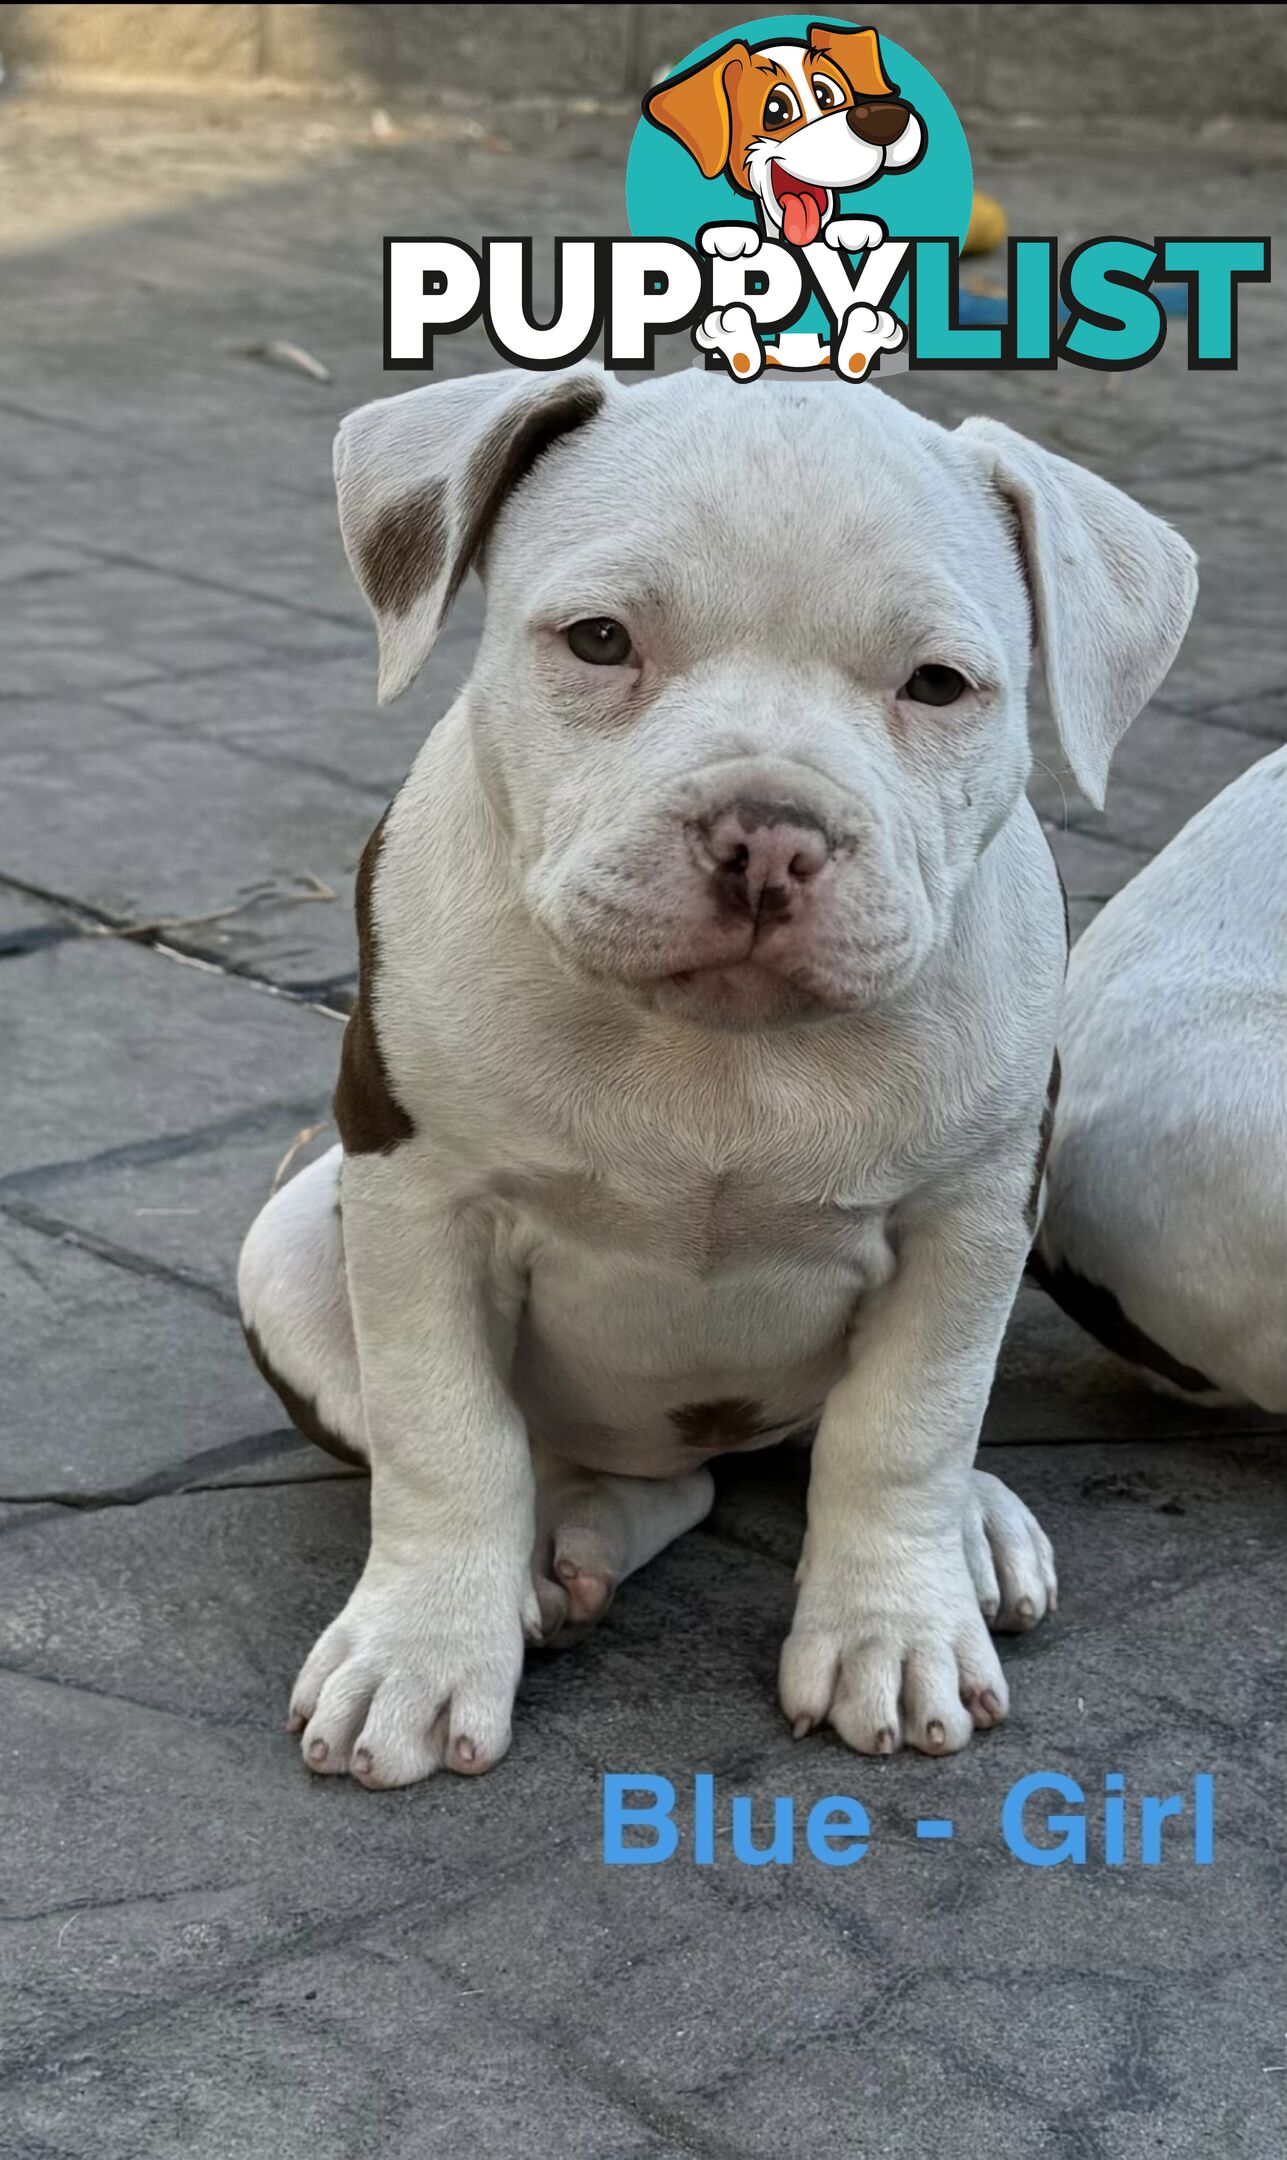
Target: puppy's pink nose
<point>763,855</point>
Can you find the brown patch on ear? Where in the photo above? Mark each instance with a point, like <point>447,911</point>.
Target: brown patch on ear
<point>723,1424</point>
<point>857,52</point>
<point>301,1412</point>
<point>370,1119</point>
<point>504,457</point>
<point>694,107</point>
<point>1043,1139</point>
<point>403,554</point>
<point>1097,1310</point>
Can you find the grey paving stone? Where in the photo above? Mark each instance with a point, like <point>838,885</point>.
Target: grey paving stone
<point>115,622</point>
<point>190,1210</point>
<point>318,715</point>
<point>150,1374</point>
<point>113,1048</point>
<point>339,2054</point>
<point>184,828</point>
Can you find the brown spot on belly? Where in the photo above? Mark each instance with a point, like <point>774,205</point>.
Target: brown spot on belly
<point>727,1424</point>
<point>370,1119</point>
<point>301,1412</point>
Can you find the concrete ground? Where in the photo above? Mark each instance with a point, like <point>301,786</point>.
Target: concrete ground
<point>206,1952</point>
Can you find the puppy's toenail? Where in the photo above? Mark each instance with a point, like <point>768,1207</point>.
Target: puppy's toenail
<point>362,1762</point>
<point>884,1741</point>
<point>466,1752</point>
<point>990,1703</point>
<point>1027,1610</point>
<point>801,1726</point>
<point>318,1751</point>
<point>934,1733</point>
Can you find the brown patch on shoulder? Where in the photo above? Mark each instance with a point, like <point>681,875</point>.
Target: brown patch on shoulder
<point>370,1119</point>
<point>404,552</point>
<point>1043,1140</point>
<point>1097,1310</point>
<point>505,456</point>
<point>713,1425</point>
<point>301,1412</point>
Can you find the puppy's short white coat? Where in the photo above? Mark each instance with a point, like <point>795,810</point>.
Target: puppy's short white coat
<point>1167,1176</point>
<point>658,1165</point>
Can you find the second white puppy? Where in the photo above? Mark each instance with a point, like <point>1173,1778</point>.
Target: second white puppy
<point>1165,1227</point>
<point>711,957</point>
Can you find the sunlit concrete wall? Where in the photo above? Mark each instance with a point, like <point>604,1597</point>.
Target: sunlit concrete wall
<point>1186,65</point>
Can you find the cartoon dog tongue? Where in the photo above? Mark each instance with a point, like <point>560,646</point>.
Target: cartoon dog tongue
<point>801,221</point>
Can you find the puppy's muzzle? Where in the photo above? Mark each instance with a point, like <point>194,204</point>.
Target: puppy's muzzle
<point>879,124</point>
<point>762,857</point>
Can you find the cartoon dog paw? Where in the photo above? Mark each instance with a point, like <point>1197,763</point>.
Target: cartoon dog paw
<point>731,332</point>
<point>865,332</point>
<point>856,235</point>
<point>730,241</point>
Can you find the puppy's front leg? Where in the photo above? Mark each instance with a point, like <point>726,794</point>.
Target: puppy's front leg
<point>419,1670</point>
<point>888,1642</point>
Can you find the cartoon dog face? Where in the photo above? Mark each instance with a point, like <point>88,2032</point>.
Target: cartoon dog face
<point>792,124</point>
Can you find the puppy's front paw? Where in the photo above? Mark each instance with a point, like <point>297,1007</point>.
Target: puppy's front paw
<point>855,235</point>
<point>731,331</point>
<point>729,242</point>
<point>865,332</point>
<point>413,1677</point>
<point>891,1649</point>
<point>1010,1557</point>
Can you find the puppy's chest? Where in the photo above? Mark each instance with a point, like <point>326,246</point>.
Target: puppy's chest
<point>698,1219</point>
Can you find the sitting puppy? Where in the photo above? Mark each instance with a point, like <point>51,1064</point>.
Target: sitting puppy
<point>1165,1225</point>
<point>711,958</point>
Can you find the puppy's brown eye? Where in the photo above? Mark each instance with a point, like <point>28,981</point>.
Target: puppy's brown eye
<point>827,93</point>
<point>600,640</point>
<point>933,686</point>
<point>780,109</point>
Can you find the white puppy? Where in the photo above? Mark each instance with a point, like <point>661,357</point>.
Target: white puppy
<point>1165,1225</point>
<point>711,958</point>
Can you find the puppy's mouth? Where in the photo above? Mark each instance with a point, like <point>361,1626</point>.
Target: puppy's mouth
<point>803,204</point>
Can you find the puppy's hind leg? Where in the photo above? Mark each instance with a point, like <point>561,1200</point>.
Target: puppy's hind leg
<point>292,1287</point>
<point>592,1531</point>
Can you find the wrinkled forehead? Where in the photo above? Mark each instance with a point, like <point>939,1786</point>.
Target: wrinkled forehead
<point>804,521</point>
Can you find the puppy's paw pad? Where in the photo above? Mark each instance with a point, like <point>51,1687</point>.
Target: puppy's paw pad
<point>855,235</point>
<point>865,332</point>
<point>730,242</point>
<point>590,1590</point>
<point>731,332</point>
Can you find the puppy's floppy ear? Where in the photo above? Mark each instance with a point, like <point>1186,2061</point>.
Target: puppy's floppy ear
<point>420,480</point>
<point>1112,589</point>
<point>696,107</point>
<point>857,52</point>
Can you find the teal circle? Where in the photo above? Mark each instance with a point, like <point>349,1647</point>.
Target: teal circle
<point>667,194</point>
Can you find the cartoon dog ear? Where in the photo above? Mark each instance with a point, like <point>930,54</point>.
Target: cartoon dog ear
<point>1112,590</point>
<point>857,52</point>
<point>420,480</point>
<point>696,108</point>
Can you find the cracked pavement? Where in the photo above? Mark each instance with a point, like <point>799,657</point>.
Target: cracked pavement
<point>204,1951</point>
